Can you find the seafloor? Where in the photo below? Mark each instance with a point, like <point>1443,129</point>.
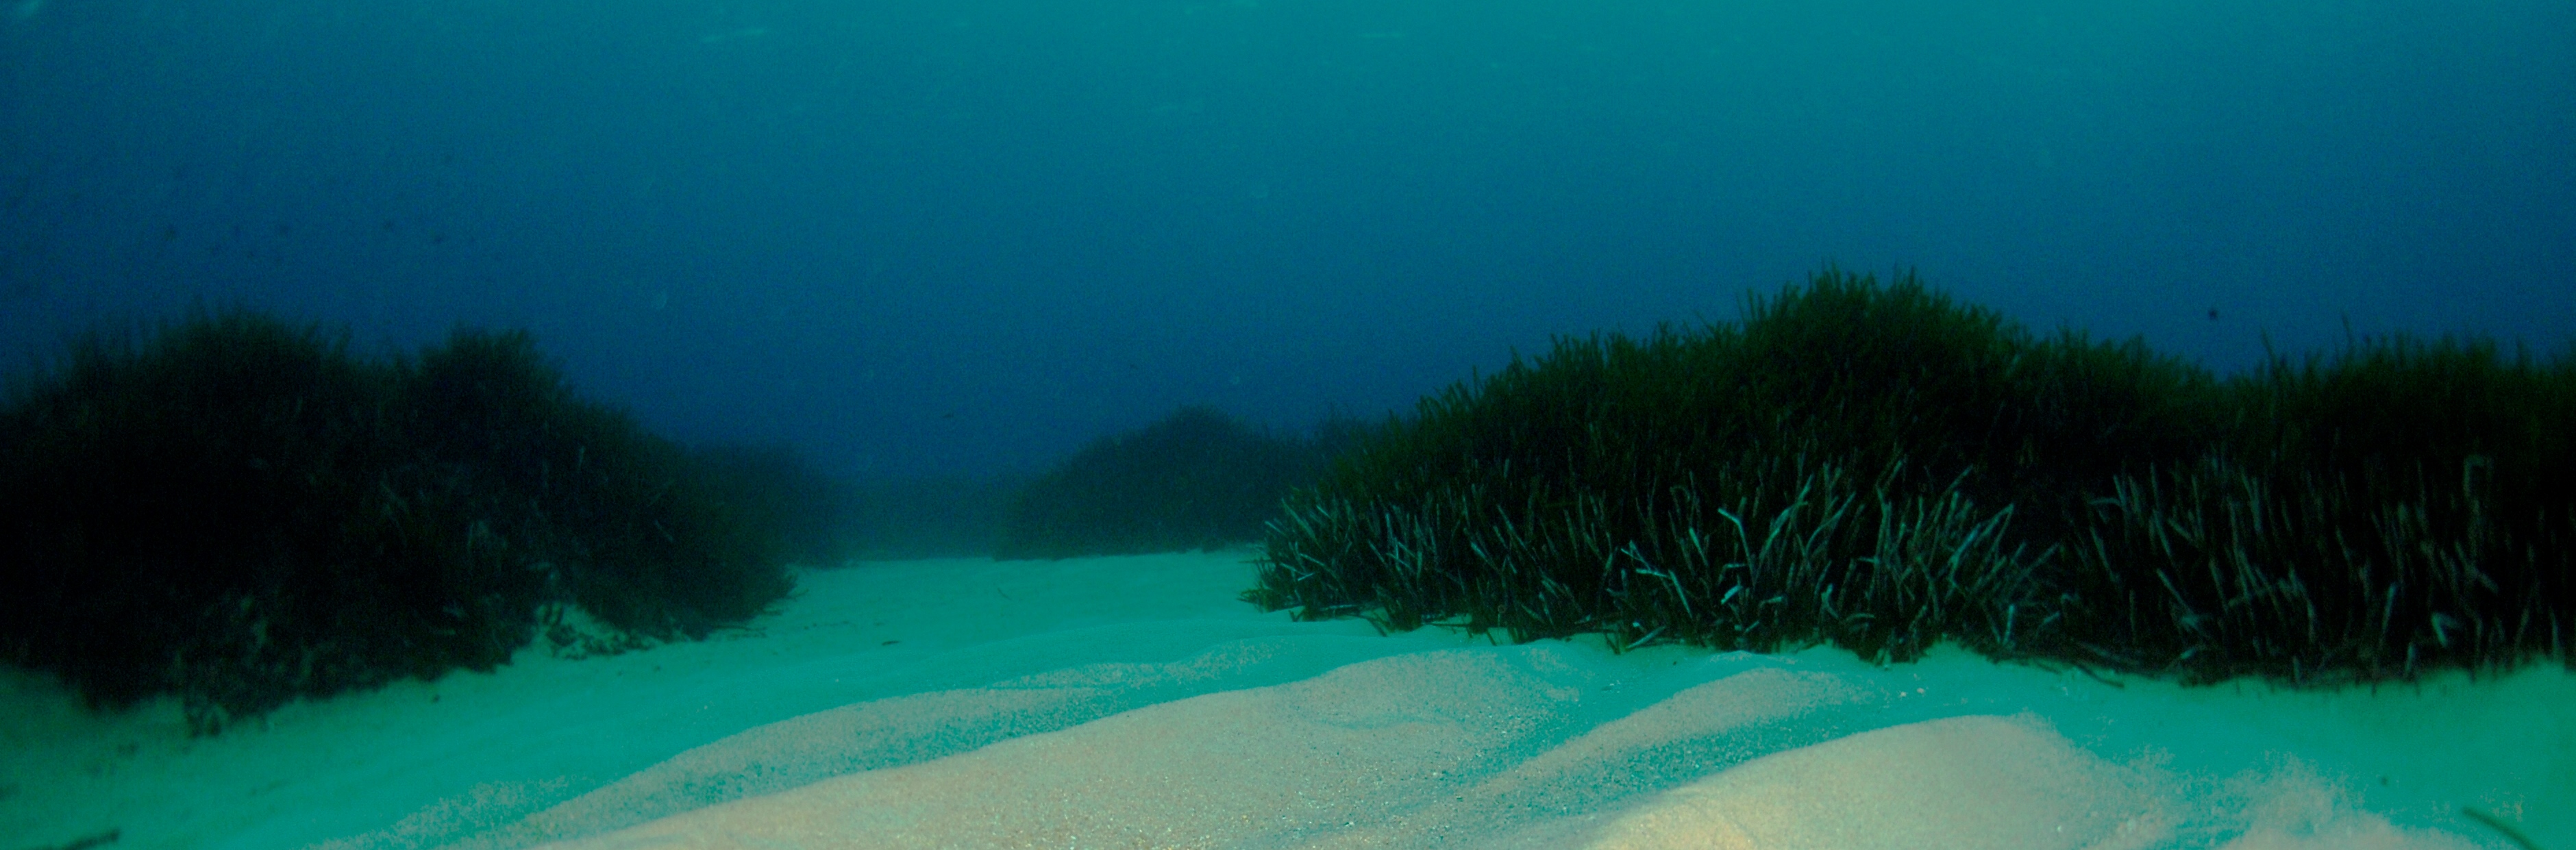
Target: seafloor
<point>1133,702</point>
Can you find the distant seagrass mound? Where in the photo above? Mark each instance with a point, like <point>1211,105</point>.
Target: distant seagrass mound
<point>1880,468</point>
<point>239,511</point>
<point>1196,479</point>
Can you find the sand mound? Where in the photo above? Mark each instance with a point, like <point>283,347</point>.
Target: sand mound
<point>1497,748</point>
<point>1964,782</point>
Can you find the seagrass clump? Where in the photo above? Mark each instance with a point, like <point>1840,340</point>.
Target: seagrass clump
<point>1764,572</point>
<point>2395,507</point>
<point>1881,468</point>
<point>240,511</point>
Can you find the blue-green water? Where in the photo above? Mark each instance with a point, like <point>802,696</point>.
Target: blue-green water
<point>966,236</point>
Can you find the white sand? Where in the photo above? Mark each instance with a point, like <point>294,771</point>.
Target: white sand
<point>1132,702</point>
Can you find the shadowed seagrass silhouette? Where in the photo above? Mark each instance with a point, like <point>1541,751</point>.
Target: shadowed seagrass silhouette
<point>240,511</point>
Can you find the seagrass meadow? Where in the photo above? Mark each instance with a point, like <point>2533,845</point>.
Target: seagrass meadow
<point>1878,467</point>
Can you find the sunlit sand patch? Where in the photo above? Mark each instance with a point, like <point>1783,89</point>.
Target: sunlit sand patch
<point>1310,757</point>
<point>790,754</point>
<point>1963,782</point>
<point>1541,801</point>
<point>1451,748</point>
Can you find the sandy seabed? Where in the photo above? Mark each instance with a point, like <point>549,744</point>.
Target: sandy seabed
<point>1133,702</point>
